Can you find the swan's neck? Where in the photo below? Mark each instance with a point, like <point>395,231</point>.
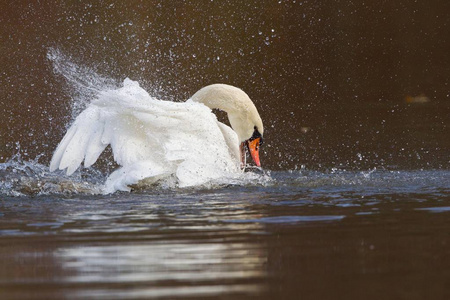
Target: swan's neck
<point>221,96</point>
<point>242,113</point>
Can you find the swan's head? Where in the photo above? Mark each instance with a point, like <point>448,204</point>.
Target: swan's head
<point>242,114</point>
<point>253,144</point>
<point>249,128</point>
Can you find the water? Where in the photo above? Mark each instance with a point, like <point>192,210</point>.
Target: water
<point>328,235</point>
<point>354,199</point>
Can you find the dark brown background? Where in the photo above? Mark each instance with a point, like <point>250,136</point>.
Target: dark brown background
<point>330,78</point>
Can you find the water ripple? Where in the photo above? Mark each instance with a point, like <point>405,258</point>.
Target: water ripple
<point>289,219</point>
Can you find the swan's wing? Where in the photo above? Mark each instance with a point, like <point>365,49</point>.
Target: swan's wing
<point>82,141</point>
<point>184,138</point>
<point>108,120</point>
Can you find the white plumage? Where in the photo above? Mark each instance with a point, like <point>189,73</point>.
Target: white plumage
<point>153,139</point>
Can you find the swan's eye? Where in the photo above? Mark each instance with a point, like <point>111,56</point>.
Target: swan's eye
<point>256,135</point>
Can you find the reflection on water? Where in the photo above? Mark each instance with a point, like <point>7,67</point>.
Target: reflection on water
<point>165,268</point>
<point>341,234</point>
<point>290,219</point>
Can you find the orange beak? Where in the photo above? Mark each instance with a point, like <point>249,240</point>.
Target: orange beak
<point>253,147</point>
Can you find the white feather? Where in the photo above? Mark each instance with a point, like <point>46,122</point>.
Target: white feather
<point>151,139</point>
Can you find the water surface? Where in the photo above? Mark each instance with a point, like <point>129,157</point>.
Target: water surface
<point>315,235</point>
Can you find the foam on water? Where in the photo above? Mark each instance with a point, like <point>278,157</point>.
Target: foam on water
<point>31,178</point>
<point>25,178</point>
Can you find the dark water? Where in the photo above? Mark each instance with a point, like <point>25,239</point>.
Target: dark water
<point>355,101</point>
<point>297,235</point>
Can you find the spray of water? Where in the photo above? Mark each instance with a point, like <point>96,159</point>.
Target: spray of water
<point>33,178</point>
<point>84,82</point>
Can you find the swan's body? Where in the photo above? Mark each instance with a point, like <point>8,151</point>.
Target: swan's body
<point>153,139</point>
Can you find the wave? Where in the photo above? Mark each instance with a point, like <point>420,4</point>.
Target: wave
<point>25,178</point>
<point>20,177</point>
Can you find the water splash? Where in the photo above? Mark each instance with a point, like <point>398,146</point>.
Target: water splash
<point>84,81</point>
<point>19,177</point>
<point>31,178</point>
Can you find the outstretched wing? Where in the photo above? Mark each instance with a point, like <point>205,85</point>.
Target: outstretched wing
<point>140,128</point>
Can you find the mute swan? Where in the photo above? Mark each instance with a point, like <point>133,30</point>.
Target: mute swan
<point>153,139</point>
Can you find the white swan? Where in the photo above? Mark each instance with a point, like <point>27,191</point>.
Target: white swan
<point>153,139</point>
